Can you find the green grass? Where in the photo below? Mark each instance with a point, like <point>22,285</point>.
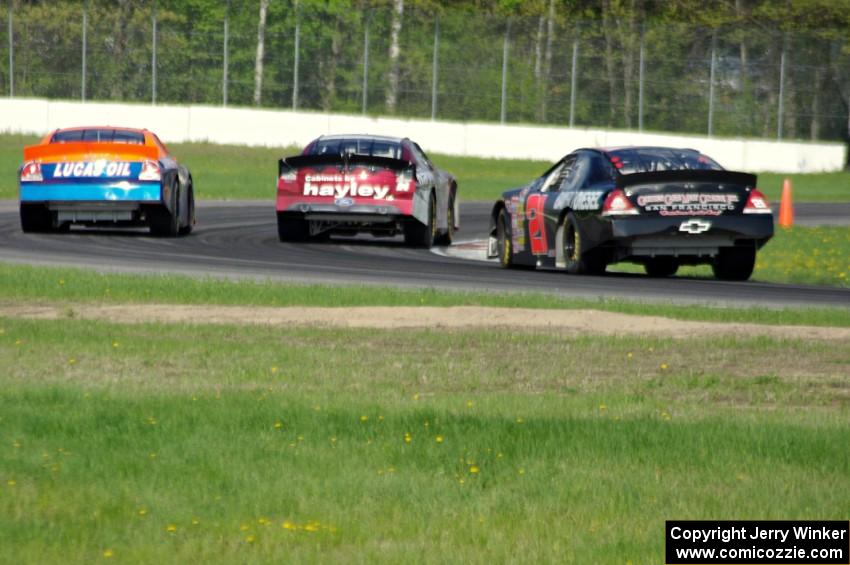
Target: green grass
<point>797,255</point>
<point>239,172</point>
<point>56,285</point>
<point>112,435</point>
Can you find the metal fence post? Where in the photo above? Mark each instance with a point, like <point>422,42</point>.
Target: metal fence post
<point>224,63</point>
<point>503,112</point>
<point>85,26</point>
<point>641,70</point>
<point>711,84</point>
<point>365,66</point>
<point>296,55</point>
<point>574,80</point>
<point>434,68</point>
<point>781,111</point>
<point>153,54</point>
<point>11,55</point>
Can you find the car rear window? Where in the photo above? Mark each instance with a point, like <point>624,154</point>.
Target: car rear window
<point>358,146</point>
<point>651,159</point>
<point>99,135</point>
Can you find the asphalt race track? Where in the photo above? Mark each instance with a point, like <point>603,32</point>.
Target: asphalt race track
<point>239,239</point>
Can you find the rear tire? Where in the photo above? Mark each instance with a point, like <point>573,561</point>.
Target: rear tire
<point>291,228</point>
<point>35,218</point>
<point>447,237</point>
<point>165,222</point>
<point>417,234</point>
<point>661,267</point>
<point>734,263</point>
<point>578,261</point>
<point>190,212</point>
<point>503,237</point>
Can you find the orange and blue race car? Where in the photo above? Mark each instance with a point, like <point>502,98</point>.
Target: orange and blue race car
<point>105,176</point>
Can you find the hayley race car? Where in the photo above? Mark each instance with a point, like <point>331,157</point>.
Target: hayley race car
<point>104,176</point>
<point>345,184</point>
<point>655,206</point>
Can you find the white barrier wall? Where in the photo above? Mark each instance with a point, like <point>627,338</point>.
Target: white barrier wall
<point>280,128</point>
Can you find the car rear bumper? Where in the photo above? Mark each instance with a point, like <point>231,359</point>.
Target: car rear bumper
<point>123,191</point>
<point>685,236</point>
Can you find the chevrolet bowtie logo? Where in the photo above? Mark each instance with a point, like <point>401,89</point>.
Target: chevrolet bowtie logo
<point>695,226</point>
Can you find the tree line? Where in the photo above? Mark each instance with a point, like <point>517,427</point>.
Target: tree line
<point>761,68</point>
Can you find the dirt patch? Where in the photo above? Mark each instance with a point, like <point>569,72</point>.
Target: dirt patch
<point>392,317</point>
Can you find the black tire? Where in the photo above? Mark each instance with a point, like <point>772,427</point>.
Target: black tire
<point>578,261</point>
<point>661,267</point>
<point>35,218</point>
<point>503,238</point>
<point>734,263</point>
<point>448,236</point>
<point>417,234</point>
<point>165,222</point>
<point>190,212</point>
<point>291,228</point>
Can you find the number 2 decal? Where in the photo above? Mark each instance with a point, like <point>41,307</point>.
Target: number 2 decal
<point>536,224</point>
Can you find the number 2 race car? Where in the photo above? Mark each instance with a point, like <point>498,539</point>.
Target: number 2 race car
<point>655,206</point>
<point>345,184</point>
<point>105,176</point>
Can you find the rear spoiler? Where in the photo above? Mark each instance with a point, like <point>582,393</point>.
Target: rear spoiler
<point>80,150</point>
<point>697,175</point>
<point>343,161</point>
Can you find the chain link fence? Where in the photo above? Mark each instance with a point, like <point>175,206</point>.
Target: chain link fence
<point>453,65</point>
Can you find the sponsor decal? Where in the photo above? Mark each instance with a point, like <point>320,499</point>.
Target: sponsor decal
<point>344,202</point>
<point>579,200</point>
<point>342,186</point>
<point>688,204</point>
<point>90,169</point>
<point>695,226</point>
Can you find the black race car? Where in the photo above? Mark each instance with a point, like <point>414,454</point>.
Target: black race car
<point>656,206</point>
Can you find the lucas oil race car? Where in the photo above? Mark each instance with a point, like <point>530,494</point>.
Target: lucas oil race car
<point>656,206</point>
<point>346,184</point>
<point>104,176</point>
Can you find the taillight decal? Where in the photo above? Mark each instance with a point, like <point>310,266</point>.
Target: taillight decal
<point>150,171</point>
<point>536,223</point>
<point>618,204</point>
<point>757,203</point>
<point>31,172</point>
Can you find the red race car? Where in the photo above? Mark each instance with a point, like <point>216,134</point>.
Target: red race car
<point>346,184</point>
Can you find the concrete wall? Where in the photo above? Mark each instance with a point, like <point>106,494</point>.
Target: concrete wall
<point>280,128</point>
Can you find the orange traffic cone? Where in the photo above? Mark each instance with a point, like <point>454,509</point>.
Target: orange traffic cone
<point>786,206</point>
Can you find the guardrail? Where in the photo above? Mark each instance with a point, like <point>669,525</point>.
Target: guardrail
<point>277,128</point>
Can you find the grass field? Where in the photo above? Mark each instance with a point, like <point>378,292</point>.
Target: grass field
<point>174,443</point>
<point>236,172</point>
<point>22,284</point>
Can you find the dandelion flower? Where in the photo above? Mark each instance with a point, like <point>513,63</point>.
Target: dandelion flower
<point>522,471</point>
<point>116,345</point>
<point>664,366</point>
<point>171,528</point>
<point>107,553</point>
<point>274,370</point>
<point>311,527</point>
<point>71,361</point>
<point>364,418</point>
<point>630,355</point>
<point>195,521</point>
<point>416,396</point>
<point>263,521</point>
<point>244,527</point>
<point>470,403</point>
<point>278,425</point>
<point>143,511</point>
<point>16,445</point>
<point>519,420</point>
<point>11,482</point>
<point>251,539</point>
<point>439,439</point>
<point>474,469</point>
<point>407,438</point>
<point>603,407</point>
<point>287,525</point>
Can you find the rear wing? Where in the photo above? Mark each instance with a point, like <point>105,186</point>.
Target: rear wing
<point>686,175</point>
<point>344,161</point>
<point>84,150</point>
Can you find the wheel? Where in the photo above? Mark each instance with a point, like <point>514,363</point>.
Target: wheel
<point>660,267</point>
<point>734,263</point>
<point>190,212</point>
<point>447,237</point>
<point>35,218</point>
<point>165,222</point>
<point>418,234</point>
<point>578,261</point>
<point>503,237</point>
<point>291,228</point>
